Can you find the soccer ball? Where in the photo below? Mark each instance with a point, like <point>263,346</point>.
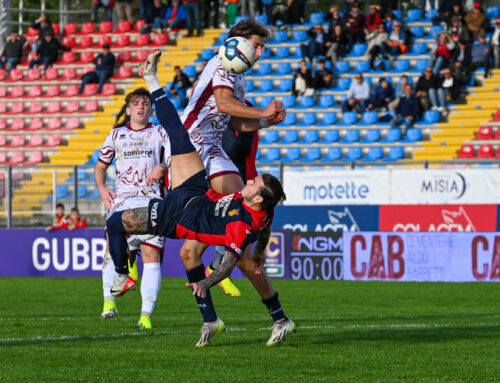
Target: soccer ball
<point>237,55</point>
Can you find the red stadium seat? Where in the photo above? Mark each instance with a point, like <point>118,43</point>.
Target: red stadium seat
<point>68,58</point>
<point>160,39</point>
<point>124,26</point>
<point>53,107</point>
<point>56,29</point>
<point>32,32</point>
<point>3,157</point>
<point>34,158</point>
<point>70,28</point>
<point>3,91</point>
<point>141,55</point>
<point>467,151</point>
<point>124,72</point>
<point>91,106</point>
<point>141,40</point>
<point>104,40</point>
<point>90,90</point>
<point>485,151</point>
<point>69,41</point>
<point>3,123</point>
<point>30,57</point>
<point>53,91</point>
<point>16,108</point>
<point>52,141</point>
<point>35,107</point>
<point>16,158</point>
<point>105,27</point>
<point>16,141</point>
<point>71,90</point>
<point>497,153</point>
<point>3,107</point>
<point>124,56</point>
<point>34,141</point>
<point>16,75</point>
<point>35,124</point>
<point>85,42</point>
<point>86,57</point>
<point>87,28</point>
<point>108,89</point>
<point>123,41</point>
<point>485,133</point>
<point>497,134</point>
<point>3,74</point>
<point>34,91</point>
<point>72,123</point>
<point>69,73</point>
<point>34,74</point>
<point>3,141</point>
<point>87,69</point>
<point>139,24</point>
<point>72,106</point>
<point>17,124</point>
<point>497,115</point>
<point>51,74</point>
<point>54,123</point>
<point>16,91</point>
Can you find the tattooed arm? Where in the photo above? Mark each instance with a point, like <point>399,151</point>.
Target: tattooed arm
<point>258,254</point>
<point>222,272</point>
<point>135,221</point>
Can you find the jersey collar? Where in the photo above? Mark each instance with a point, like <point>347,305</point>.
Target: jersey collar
<point>149,125</point>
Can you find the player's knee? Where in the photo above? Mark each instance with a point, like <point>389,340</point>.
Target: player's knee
<point>188,254</point>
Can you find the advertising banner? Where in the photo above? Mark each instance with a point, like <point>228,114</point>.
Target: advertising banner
<point>430,257</point>
<point>438,218</point>
<point>326,218</point>
<point>336,187</point>
<point>445,186</point>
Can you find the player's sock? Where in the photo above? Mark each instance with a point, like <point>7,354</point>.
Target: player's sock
<point>117,242</point>
<point>150,287</point>
<point>169,119</point>
<point>274,306</point>
<point>206,305</point>
<point>152,82</point>
<point>108,277</point>
<point>219,253</point>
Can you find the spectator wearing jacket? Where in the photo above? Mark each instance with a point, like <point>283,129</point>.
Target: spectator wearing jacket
<point>481,54</point>
<point>396,42</point>
<point>60,220</point>
<point>155,20</point>
<point>302,80</point>
<point>48,52</point>
<point>425,90</point>
<point>461,62</point>
<point>441,52</point>
<point>333,18</point>
<point>180,84</point>
<point>316,43</point>
<point>44,28</point>
<point>354,24</point>
<point>444,11</point>
<point>358,95</point>
<point>458,31</point>
<point>175,16</point>
<point>104,65</point>
<point>291,15</point>
<point>107,5</point>
<point>75,221</point>
<point>323,76</point>
<point>336,42</point>
<point>375,44</point>
<point>382,95</point>
<point>475,20</point>
<point>407,111</point>
<point>372,21</point>
<point>12,51</point>
<point>448,89</point>
<point>398,93</point>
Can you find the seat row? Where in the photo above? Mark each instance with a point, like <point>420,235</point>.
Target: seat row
<point>36,124</point>
<point>34,141</point>
<point>119,42</point>
<point>21,158</point>
<point>88,28</point>
<point>55,74</point>
<point>52,91</point>
<point>483,151</point>
<point>37,107</point>
<point>64,192</point>
<point>486,133</point>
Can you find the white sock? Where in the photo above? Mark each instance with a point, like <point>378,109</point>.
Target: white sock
<point>108,276</point>
<point>150,287</point>
<point>152,82</point>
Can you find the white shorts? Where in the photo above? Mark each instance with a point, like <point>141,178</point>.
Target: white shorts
<point>157,242</point>
<point>215,159</point>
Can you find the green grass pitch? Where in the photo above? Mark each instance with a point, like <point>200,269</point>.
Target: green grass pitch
<point>50,331</point>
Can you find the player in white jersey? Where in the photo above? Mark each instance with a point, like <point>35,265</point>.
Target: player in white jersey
<point>139,149</point>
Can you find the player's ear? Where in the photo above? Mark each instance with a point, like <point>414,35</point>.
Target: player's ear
<point>127,110</point>
<point>258,199</point>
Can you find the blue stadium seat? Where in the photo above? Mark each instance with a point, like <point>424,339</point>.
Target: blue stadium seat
<point>281,53</point>
<point>413,135</point>
<point>297,54</point>
<point>392,135</point>
<point>270,137</point>
<point>434,32</point>
<point>94,194</point>
<point>299,36</point>
<point>266,53</point>
<point>272,154</point>
<point>265,86</point>
<point>62,191</point>
<point>430,117</point>
<point>397,13</point>
<point>265,101</point>
<point>353,153</point>
<point>189,70</point>
<point>222,37</point>
<point>290,137</point>
<point>420,66</point>
<point>306,102</point>
<point>316,17</point>
<point>348,118</point>
<point>250,85</point>
<point>400,66</point>
<point>291,155</point>
<point>431,13</point>
<point>333,154</point>
<point>285,85</point>
<point>82,191</point>
<point>290,119</point>
<point>381,66</point>
<point>395,153</point>
<point>206,54</point>
<point>328,119</point>
<point>341,67</point>
<point>413,15</point>
<point>325,101</point>
<point>93,158</point>
<point>343,83</point>
<point>311,137</point>
<point>372,135</point>
<point>279,38</point>
<point>374,153</point>
<point>81,174</point>
<point>261,19</point>
<point>362,66</point>
<point>328,65</point>
<point>289,101</point>
<point>264,69</point>
<point>308,119</point>
<point>492,12</point>
<point>417,31</point>
<point>352,135</point>
<point>358,50</point>
<point>283,69</point>
<point>251,100</point>
<point>312,154</point>
<point>417,49</point>
<point>368,118</point>
<point>330,136</point>
<point>259,154</point>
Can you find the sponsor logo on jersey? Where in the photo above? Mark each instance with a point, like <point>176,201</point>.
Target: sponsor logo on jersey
<point>122,136</point>
<point>154,214</point>
<point>236,248</point>
<point>234,212</point>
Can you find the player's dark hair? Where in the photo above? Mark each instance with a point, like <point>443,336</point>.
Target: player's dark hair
<point>249,27</point>
<point>59,205</point>
<point>272,192</point>
<point>139,92</point>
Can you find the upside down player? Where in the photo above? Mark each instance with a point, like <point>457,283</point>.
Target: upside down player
<point>192,211</point>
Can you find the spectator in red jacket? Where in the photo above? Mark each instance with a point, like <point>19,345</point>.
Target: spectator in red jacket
<point>75,221</point>
<point>373,20</point>
<point>354,26</point>
<point>60,221</point>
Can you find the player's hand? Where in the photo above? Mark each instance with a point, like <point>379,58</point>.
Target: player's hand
<point>197,289</point>
<point>280,117</point>
<point>258,264</point>
<point>107,196</point>
<point>273,109</point>
<point>155,176</point>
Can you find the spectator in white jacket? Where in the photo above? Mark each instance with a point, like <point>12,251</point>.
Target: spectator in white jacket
<point>358,95</point>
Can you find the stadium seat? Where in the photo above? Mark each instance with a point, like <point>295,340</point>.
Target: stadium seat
<point>69,73</point>
<point>392,135</point>
<point>369,118</point>
<point>395,153</point>
<point>62,191</point>
<point>190,71</point>
<point>85,42</point>
<point>3,142</point>
<point>70,29</point>
<point>123,26</point>
<point>420,66</point>
<point>272,154</point>
<point>299,36</point>
<point>341,67</point>
<point>52,141</point>
<point>90,106</point>
<point>466,151</point>
<point>279,38</point>
<point>86,57</point>
<point>351,135</point>
<point>264,69</point>
<point>160,39</point>
<point>138,25</point>
<point>17,124</point>
<point>371,136</point>
<point>68,58</point>
<point>3,107</point>
<point>316,18</point>
<point>497,152</point>
<point>348,118</point>
<point>430,117</point>
<point>222,37</point>
<point>52,74</point>
<point>35,107</point>
<point>72,123</point>
<point>124,56</point>
<point>35,124</point>
<point>328,119</point>
<point>291,155</point>
<point>206,54</point>
<point>250,86</point>
<point>265,86</point>
<point>374,153</point>
<point>87,28</point>
<point>485,151</point>
<point>326,101</point>
<point>358,50</point>
<point>417,49</point>
<point>34,74</point>
<point>3,124</point>
<point>343,84</point>
<point>265,101</point>
<point>105,27</point>
<point>413,15</point>
<point>362,66</point>
<point>492,12</point>
<point>69,42</point>
<point>290,137</point>
<point>281,53</point>
<point>3,91</point>
<point>261,19</point>
<point>90,90</point>
<point>16,91</point>
<point>285,85</point>
<point>54,123</point>
<point>52,91</point>
<point>104,40</point>
<point>289,101</point>
<point>16,158</point>
<point>34,141</point>
<point>251,100</point>
<point>72,106</point>
<point>401,66</point>
<point>290,119</point>
<point>431,13</point>
<point>435,31</point>
<point>330,136</point>
<point>413,135</point>
<point>108,89</point>
<point>16,108</point>
<point>333,154</point>
<point>3,74</point>
<point>16,75</point>
<point>35,91</point>
<point>241,18</point>
<point>53,107</point>
<point>308,119</point>
<point>270,137</point>
<point>305,102</point>
<point>397,13</point>
<point>354,153</point>
<point>485,133</point>
<point>16,141</point>
<point>123,41</point>
<point>71,90</point>
<point>310,137</point>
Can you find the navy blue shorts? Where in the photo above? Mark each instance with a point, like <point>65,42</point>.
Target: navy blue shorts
<point>165,214</point>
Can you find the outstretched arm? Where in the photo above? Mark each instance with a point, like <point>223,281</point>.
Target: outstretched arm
<point>258,254</point>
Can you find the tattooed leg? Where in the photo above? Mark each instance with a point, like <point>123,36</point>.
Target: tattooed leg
<point>135,221</point>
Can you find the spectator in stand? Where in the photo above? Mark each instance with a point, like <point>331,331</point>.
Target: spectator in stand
<point>122,118</point>
<point>336,42</point>
<point>12,51</point>
<point>375,44</point>
<point>75,221</point>
<point>423,4</point>
<point>386,6</point>
<point>123,9</point>
<point>176,16</point>
<point>60,221</point>
<point>373,20</point>
<point>44,28</point>
<point>441,52</point>
<point>458,31</point>
<point>268,10</point>
<point>495,42</point>
<point>323,76</point>
<point>382,95</point>
<point>180,84</point>
<point>232,12</point>
<point>291,15</point>
<point>444,11</point>
<point>396,42</point>
<point>108,10</point>
<point>249,8</point>
<point>358,95</point>
<point>354,23</point>
<point>155,20</point>
<point>104,65</point>
<point>475,20</point>
<point>333,18</point>
<point>193,17</point>
<point>399,93</point>
<point>448,89</point>
<point>48,52</point>
<point>208,6</point>
<point>462,60</point>
<point>316,43</point>
<point>425,90</point>
<point>390,19</point>
<point>407,111</point>
<point>144,8</point>
<point>302,81</point>
<point>457,12</point>
<point>481,54</point>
